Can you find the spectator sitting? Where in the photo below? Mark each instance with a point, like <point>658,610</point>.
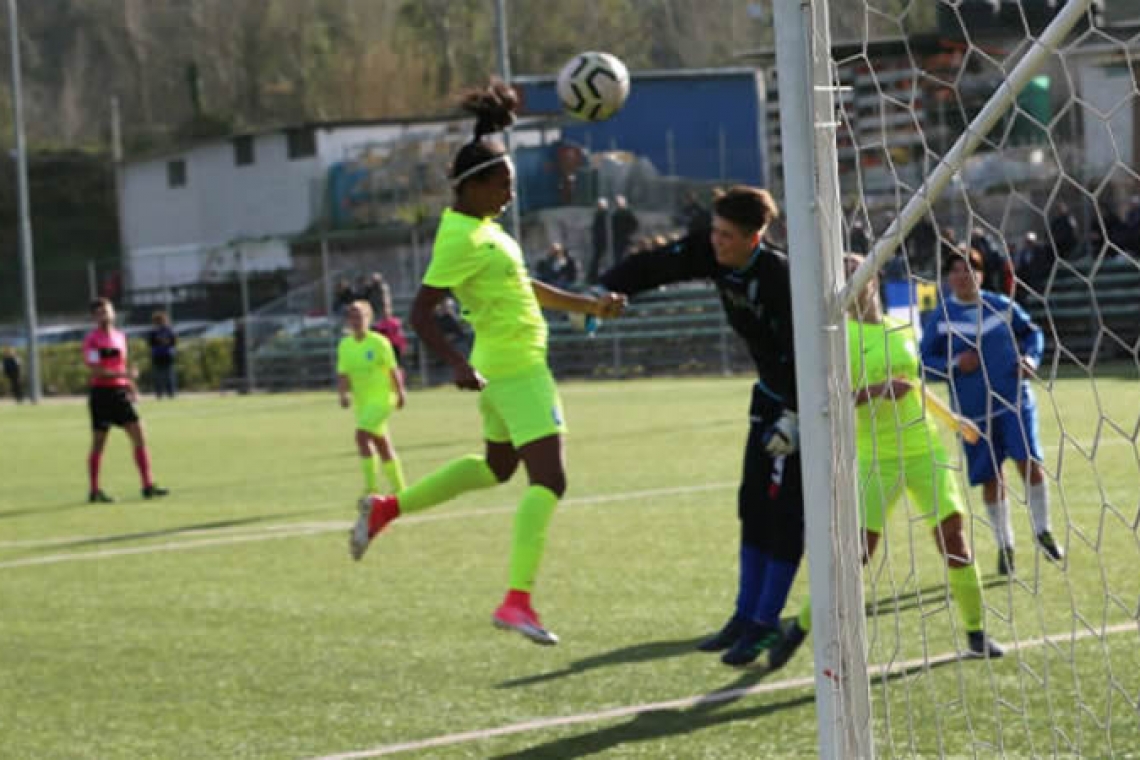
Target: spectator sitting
<point>860,242</point>
<point>559,268</point>
<point>372,291</point>
<point>997,272</point>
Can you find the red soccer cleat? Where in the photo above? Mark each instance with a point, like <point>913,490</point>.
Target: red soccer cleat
<point>375,514</point>
<point>524,620</point>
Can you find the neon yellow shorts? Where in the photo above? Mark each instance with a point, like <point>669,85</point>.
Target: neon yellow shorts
<point>933,488</point>
<point>522,408</point>
<point>372,417</point>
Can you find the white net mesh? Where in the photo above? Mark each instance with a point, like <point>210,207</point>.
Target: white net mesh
<point>1052,202</point>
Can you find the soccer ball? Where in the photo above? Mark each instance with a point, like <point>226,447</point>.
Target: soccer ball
<point>593,86</point>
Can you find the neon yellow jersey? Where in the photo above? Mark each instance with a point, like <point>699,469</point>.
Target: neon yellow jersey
<point>368,364</point>
<point>886,428</point>
<point>483,267</point>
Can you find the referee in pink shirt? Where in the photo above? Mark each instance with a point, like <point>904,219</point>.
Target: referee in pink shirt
<point>111,400</point>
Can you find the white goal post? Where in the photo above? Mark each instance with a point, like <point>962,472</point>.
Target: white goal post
<point>808,123</point>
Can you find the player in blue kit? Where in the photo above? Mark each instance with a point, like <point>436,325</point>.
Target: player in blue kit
<point>987,348</point>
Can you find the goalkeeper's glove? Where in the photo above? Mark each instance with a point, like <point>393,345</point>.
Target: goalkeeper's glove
<point>783,437</point>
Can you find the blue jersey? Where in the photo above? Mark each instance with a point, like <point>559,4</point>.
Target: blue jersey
<point>1002,333</point>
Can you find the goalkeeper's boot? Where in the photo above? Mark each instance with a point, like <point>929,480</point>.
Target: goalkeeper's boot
<point>1005,561</point>
<point>982,645</point>
<point>155,492</point>
<point>375,512</point>
<point>757,638</point>
<point>786,647</point>
<point>517,617</point>
<point>1050,547</point>
<point>99,497</point>
<point>725,637</point>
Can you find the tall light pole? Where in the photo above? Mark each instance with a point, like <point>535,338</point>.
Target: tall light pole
<point>505,73</point>
<point>26,254</point>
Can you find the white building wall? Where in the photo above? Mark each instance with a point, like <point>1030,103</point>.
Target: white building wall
<point>1108,91</point>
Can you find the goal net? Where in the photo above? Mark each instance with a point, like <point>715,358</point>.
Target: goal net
<point>1011,129</point>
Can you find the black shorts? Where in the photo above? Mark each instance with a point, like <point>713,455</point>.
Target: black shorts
<point>771,501</point>
<point>110,406</point>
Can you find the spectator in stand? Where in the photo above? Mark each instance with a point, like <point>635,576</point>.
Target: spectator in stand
<point>12,372</point>
<point>692,214</point>
<point>920,243</point>
<point>389,325</point>
<point>1063,232</point>
<point>1032,264</point>
<point>372,291</point>
<point>860,242</point>
<point>345,295</point>
<point>449,323</point>
<point>163,345</point>
<point>998,271</point>
<point>559,268</point>
<point>625,226</point>
<point>601,236</point>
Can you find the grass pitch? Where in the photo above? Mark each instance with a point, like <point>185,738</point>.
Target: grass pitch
<point>228,621</point>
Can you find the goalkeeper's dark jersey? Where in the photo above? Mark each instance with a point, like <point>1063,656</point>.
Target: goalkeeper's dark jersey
<point>757,299</point>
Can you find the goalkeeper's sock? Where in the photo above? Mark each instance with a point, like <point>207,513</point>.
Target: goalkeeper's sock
<point>751,585</point>
<point>458,476</point>
<point>1000,523</point>
<point>803,620</point>
<point>534,513</point>
<point>966,587</point>
<point>368,467</point>
<point>778,578</point>
<point>1038,494</point>
<point>394,472</point>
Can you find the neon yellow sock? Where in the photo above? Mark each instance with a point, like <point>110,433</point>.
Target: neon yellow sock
<point>458,476</point>
<point>368,466</point>
<point>533,516</point>
<point>395,474</point>
<point>803,620</point>
<point>966,587</point>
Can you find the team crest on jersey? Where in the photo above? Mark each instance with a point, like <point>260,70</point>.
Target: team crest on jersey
<point>370,355</point>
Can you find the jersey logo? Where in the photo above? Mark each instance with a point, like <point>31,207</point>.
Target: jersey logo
<point>369,355</point>
<point>556,415</point>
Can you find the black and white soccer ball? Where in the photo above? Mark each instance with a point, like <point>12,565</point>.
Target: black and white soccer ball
<point>593,86</point>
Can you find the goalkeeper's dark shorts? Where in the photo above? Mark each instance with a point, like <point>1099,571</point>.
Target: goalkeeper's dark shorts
<point>771,501</point>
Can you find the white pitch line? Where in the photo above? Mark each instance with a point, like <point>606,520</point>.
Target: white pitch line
<point>310,529</point>
<point>714,697</point>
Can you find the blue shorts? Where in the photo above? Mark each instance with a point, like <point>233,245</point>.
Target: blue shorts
<point>1012,435</point>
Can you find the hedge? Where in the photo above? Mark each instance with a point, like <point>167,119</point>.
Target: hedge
<point>202,365</point>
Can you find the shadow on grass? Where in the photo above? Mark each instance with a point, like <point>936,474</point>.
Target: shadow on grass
<point>654,650</point>
<point>912,600</point>
<point>650,725</point>
<point>707,712</point>
<point>176,530</point>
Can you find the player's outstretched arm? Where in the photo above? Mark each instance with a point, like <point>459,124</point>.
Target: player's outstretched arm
<point>604,305</point>
<point>690,258</point>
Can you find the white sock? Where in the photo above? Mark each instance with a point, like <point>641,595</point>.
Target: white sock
<point>1039,507</point>
<point>1000,523</point>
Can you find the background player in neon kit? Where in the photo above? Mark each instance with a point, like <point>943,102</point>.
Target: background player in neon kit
<point>522,415</point>
<point>899,450</point>
<point>987,348</point>
<point>367,370</point>
<point>112,400</point>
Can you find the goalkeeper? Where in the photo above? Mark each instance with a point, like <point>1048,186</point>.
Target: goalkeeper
<point>899,450</point>
<point>753,283</point>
